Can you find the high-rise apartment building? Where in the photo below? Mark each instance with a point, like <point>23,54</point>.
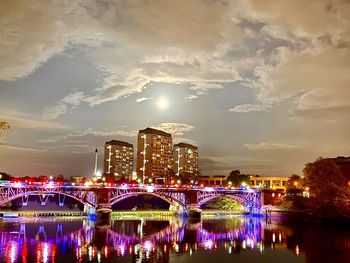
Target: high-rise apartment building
<point>185,160</point>
<point>154,154</point>
<point>118,159</point>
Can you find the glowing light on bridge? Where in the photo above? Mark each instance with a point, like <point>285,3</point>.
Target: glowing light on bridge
<point>150,188</point>
<point>209,189</point>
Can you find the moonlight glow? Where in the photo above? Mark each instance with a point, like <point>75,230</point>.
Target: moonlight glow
<point>162,103</point>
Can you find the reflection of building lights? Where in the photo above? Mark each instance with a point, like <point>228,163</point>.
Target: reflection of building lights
<point>208,244</point>
<point>261,247</point>
<point>78,254</point>
<point>244,244</point>
<point>297,250</point>
<point>106,251</point>
<point>177,248</point>
<point>24,253</point>
<point>147,245</point>
<point>98,256</point>
<point>90,253</point>
<point>45,248</point>
<point>250,243</point>
<point>122,250</point>
<point>273,237</point>
<point>11,251</point>
<point>280,237</point>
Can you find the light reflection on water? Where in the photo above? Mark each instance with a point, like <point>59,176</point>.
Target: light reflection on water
<point>158,240</point>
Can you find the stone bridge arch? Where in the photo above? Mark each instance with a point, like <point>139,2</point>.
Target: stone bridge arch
<point>177,200</point>
<point>10,194</point>
<point>250,200</point>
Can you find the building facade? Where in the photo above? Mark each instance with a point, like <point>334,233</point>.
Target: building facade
<point>215,180</point>
<point>268,182</point>
<point>185,160</point>
<point>118,159</point>
<point>154,155</point>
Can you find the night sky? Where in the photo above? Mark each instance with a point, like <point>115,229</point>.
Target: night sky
<point>259,85</point>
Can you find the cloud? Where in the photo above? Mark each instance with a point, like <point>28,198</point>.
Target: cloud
<point>314,80</point>
<point>244,108</point>
<point>88,139</point>
<point>202,88</point>
<point>176,129</point>
<point>143,99</point>
<point>266,146</point>
<point>185,140</point>
<point>28,121</point>
<point>150,41</point>
<point>340,113</point>
<point>300,19</point>
<point>73,100</point>
<point>16,149</point>
<point>95,137</point>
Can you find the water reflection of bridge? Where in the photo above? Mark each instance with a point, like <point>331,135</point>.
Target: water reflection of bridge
<point>94,242</point>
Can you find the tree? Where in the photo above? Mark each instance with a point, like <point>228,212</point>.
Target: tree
<point>327,186</point>
<point>294,182</point>
<point>237,179</point>
<point>222,202</point>
<point>294,193</point>
<point>4,127</point>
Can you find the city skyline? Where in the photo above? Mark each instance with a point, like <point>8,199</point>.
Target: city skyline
<point>259,86</point>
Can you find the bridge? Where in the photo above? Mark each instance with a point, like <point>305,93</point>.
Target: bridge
<point>99,199</point>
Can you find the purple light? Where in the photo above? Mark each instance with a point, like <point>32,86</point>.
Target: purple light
<point>208,244</point>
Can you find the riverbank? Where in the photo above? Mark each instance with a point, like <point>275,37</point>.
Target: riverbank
<point>13,214</point>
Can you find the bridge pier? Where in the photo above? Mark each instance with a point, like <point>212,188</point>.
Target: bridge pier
<point>194,211</point>
<point>193,208</point>
<point>103,208</point>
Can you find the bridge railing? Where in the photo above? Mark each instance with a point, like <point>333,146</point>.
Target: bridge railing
<point>147,187</point>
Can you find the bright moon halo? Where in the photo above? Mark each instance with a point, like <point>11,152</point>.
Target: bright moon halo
<point>162,103</point>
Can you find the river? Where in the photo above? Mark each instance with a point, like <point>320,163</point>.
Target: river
<point>171,239</point>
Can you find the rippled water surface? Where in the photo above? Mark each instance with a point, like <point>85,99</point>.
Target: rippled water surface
<point>238,239</point>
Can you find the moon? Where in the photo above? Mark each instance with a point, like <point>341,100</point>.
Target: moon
<point>162,103</point>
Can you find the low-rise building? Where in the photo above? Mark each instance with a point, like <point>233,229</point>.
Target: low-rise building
<point>211,180</point>
<point>77,179</point>
<point>268,182</point>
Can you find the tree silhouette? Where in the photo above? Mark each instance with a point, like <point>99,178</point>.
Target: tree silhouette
<point>237,179</point>
<point>327,186</point>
